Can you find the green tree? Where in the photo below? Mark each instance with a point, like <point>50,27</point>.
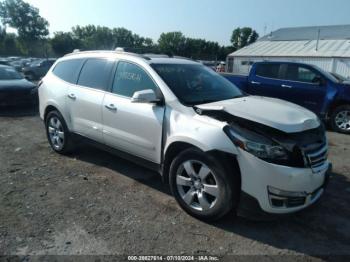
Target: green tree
<point>63,43</point>
<point>25,18</point>
<point>123,37</point>
<point>10,45</point>
<point>243,36</point>
<point>172,43</point>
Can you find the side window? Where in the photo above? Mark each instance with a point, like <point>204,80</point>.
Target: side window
<point>68,70</point>
<point>306,75</point>
<point>268,70</point>
<point>95,73</point>
<point>130,78</point>
<point>301,74</point>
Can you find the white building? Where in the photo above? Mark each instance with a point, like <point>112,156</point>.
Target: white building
<point>325,46</point>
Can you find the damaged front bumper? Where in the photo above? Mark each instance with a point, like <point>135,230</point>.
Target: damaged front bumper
<point>273,189</point>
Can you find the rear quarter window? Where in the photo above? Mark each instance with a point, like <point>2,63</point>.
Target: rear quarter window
<point>68,70</point>
<point>268,70</point>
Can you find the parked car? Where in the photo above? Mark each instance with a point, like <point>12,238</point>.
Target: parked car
<point>218,148</point>
<point>15,90</point>
<point>211,64</point>
<point>18,65</point>
<point>221,67</point>
<point>4,61</point>
<point>302,84</point>
<point>37,69</point>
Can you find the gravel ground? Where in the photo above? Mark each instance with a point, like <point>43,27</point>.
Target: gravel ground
<point>93,203</point>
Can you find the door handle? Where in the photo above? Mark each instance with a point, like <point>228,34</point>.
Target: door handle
<point>255,83</point>
<point>111,107</point>
<point>286,86</point>
<point>72,96</point>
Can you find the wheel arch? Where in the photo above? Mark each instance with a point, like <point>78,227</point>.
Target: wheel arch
<point>335,104</point>
<point>54,107</point>
<point>49,109</point>
<point>228,159</point>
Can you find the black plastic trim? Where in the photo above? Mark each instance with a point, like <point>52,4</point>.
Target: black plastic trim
<point>127,156</point>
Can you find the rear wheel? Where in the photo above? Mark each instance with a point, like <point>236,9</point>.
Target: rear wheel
<point>202,186</point>
<point>340,119</point>
<point>58,134</point>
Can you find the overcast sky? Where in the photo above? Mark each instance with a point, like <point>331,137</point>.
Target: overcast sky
<point>208,19</point>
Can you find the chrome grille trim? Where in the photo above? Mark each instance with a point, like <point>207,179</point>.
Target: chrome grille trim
<point>317,159</point>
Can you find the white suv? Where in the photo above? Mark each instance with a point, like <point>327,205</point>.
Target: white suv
<point>218,148</point>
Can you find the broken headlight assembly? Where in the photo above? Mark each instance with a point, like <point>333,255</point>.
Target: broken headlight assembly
<point>257,145</point>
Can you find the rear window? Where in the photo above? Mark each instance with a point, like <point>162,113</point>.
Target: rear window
<point>268,70</point>
<point>68,70</point>
<point>96,73</point>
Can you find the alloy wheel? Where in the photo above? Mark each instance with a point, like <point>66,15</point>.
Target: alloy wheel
<point>56,133</point>
<point>197,185</point>
<point>342,120</point>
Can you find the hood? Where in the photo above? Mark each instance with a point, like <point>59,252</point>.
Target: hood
<point>346,86</point>
<point>275,113</point>
<point>16,84</point>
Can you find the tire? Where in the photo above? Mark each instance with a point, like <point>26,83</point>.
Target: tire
<point>340,119</point>
<point>57,133</point>
<point>210,191</point>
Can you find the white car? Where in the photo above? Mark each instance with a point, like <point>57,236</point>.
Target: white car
<point>219,149</point>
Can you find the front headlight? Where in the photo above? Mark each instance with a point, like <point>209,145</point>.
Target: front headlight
<point>257,145</point>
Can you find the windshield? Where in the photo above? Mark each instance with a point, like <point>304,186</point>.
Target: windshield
<point>339,77</point>
<point>195,84</point>
<point>8,73</point>
<point>327,74</point>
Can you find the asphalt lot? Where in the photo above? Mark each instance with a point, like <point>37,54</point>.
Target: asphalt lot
<point>95,203</point>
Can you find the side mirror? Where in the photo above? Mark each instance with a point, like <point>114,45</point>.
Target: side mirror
<point>319,80</point>
<point>145,96</point>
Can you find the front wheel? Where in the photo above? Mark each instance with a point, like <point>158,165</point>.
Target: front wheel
<point>202,186</point>
<point>340,119</point>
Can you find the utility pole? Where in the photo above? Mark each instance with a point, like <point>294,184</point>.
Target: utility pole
<point>318,39</point>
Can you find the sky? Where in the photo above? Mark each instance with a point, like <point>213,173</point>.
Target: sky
<point>208,19</point>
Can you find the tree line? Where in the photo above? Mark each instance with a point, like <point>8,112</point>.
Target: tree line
<point>32,38</point>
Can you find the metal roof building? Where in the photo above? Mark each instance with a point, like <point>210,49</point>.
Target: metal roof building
<point>325,46</point>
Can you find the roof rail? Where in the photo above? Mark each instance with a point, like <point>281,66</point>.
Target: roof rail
<point>150,55</point>
<point>121,50</point>
<point>117,50</point>
<point>185,58</point>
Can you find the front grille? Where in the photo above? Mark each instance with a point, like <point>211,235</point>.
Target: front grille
<point>287,201</point>
<point>316,157</point>
<point>295,201</point>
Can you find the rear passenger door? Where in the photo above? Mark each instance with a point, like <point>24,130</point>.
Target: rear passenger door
<point>265,81</point>
<point>66,73</point>
<point>135,128</point>
<point>84,100</point>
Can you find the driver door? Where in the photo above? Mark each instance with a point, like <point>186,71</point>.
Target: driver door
<point>135,128</point>
<point>305,86</point>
